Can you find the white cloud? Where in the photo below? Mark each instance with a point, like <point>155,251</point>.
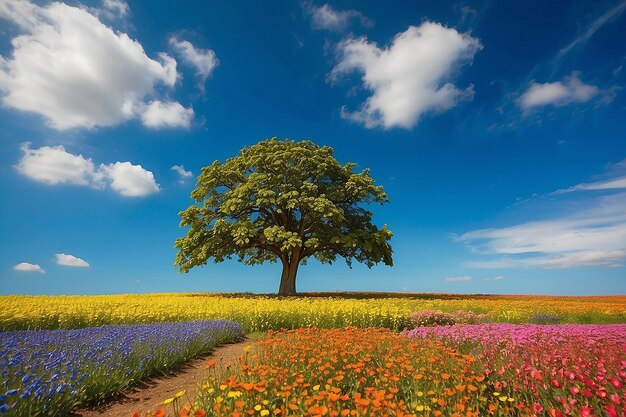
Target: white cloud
<point>463,278</point>
<point>594,236</point>
<point>606,17</point>
<point>408,79</point>
<point>26,267</point>
<point>184,174</point>
<point>159,114</point>
<point>130,180</point>
<point>611,184</point>
<point>73,70</point>
<point>203,61</point>
<point>54,165</point>
<point>70,260</point>
<point>118,8</point>
<point>572,90</point>
<point>325,17</point>
<point>496,278</point>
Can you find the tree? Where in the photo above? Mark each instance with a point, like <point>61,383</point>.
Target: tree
<point>283,200</point>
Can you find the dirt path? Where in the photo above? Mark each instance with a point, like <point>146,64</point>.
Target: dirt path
<point>150,394</point>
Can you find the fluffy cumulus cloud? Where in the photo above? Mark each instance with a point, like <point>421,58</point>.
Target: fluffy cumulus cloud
<point>326,17</point>
<point>203,61</point>
<point>182,173</point>
<point>54,165</point>
<point>27,267</point>
<point>70,260</point>
<point>130,180</point>
<point>70,68</point>
<point>463,278</point>
<point>409,78</point>
<point>571,90</point>
<point>157,114</point>
<point>117,8</point>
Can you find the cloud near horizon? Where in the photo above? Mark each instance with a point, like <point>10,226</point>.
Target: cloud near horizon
<point>463,278</point>
<point>28,267</point>
<point>93,76</point>
<point>591,236</point>
<point>496,278</point>
<point>70,260</point>
<point>408,79</point>
<point>54,166</point>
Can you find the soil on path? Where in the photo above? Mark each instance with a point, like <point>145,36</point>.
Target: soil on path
<point>149,395</point>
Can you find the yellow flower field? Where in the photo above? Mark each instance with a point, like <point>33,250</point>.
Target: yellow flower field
<point>260,313</point>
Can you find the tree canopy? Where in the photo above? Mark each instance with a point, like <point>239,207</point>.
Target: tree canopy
<point>283,200</point>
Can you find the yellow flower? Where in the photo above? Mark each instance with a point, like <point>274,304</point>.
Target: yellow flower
<point>265,412</point>
<point>419,408</point>
<point>169,400</point>
<point>316,388</point>
<point>180,393</point>
<point>503,398</point>
<point>257,407</point>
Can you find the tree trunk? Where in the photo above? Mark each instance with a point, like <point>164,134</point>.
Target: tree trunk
<point>288,277</point>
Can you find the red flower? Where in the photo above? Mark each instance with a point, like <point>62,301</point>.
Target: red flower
<point>610,410</point>
<point>586,412</point>
<point>615,382</point>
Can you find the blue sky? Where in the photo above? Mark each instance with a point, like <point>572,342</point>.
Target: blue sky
<point>498,129</point>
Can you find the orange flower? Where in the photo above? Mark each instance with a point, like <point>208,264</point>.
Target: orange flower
<point>211,363</point>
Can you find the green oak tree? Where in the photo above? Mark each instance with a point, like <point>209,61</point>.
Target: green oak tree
<point>283,200</point>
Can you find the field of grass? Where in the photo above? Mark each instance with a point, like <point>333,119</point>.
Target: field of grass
<point>356,354</point>
<point>261,313</point>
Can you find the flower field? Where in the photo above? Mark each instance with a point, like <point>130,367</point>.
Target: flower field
<point>559,370</point>
<point>261,313</point>
<point>324,355</point>
<point>472,370</point>
<point>50,372</point>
